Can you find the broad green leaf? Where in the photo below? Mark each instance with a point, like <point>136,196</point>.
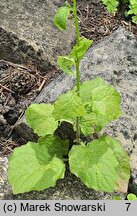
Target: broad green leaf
<point>55,145</point>
<point>123,172</point>
<point>86,89</point>
<point>68,106</point>
<point>101,165</point>
<point>60,19</point>
<point>87,124</point>
<point>102,99</point>
<point>92,123</point>
<point>80,48</point>
<point>101,122</point>
<point>40,118</point>
<point>66,64</point>
<point>106,101</point>
<point>31,167</point>
<point>131,196</point>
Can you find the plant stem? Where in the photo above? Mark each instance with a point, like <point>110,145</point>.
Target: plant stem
<point>77,67</point>
<point>76,21</point>
<point>78,93</point>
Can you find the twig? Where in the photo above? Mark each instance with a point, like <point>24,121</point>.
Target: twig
<point>7,99</point>
<point>89,30</point>
<point>15,65</point>
<point>87,12</point>
<point>4,87</point>
<point>125,23</point>
<point>16,123</point>
<point>42,84</point>
<point>80,20</point>
<point>5,78</point>
<point>80,13</point>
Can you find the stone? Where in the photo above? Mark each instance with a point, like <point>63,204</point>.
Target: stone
<point>115,60</point>
<point>96,1</point>
<point>133,161</point>
<point>28,35</point>
<point>2,120</point>
<point>3,176</point>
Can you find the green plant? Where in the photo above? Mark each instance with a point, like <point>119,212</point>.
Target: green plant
<point>112,7</point>
<point>101,164</point>
<point>133,10</point>
<point>130,196</point>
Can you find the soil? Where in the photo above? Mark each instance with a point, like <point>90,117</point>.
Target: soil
<point>20,85</point>
<point>96,22</point>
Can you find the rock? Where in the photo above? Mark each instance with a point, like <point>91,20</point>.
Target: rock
<point>5,129</point>
<point>22,134</point>
<point>12,116</point>
<point>95,1</point>
<point>27,32</point>
<point>3,177</point>
<point>2,120</point>
<point>115,60</point>
<point>4,109</point>
<point>133,161</point>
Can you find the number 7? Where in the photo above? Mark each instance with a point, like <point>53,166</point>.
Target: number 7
<point>128,204</point>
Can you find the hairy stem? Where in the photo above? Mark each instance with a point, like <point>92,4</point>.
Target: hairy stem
<point>77,67</point>
<point>76,21</point>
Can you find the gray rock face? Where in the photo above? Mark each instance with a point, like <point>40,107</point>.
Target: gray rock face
<point>27,32</point>
<point>115,60</point>
<point>3,177</point>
